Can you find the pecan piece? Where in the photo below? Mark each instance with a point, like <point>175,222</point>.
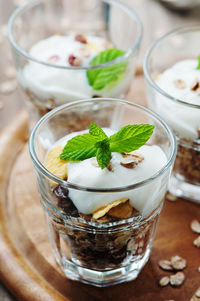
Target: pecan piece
<point>80,38</point>
<point>131,160</point>
<point>74,61</point>
<point>195,85</point>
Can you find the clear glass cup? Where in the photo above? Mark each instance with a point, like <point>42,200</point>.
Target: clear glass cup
<point>106,252</point>
<point>47,85</point>
<point>182,116</point>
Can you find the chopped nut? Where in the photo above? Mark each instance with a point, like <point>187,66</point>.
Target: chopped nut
<point>196,242</point>
<point>178,263</point>
<point>177,279</point>
<point>103,210</point>
<point>198,131</point>
<point>74,61</point>
<point>165,265</point>
<point>131,160</point>
<point>164,281</point>
<point>53,59</point>
<point>109,167</point>
<point>123,210</point>
<point>179,83</point>
<point>195,226</point>
<point>84,52</point>
<point>8,87</point>
<point>195,85</point>
<point>80,38</point>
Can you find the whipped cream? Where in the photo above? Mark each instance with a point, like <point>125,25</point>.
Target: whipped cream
<point>178,81</point>
<point>85,173</point>
<point>63,85</point>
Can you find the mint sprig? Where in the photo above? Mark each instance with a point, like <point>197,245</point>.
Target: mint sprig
<point>198,67</point>
<point>97,143</point>
<point>108,76</point>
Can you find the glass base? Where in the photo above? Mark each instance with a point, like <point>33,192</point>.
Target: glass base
<point>106,278</point>
<point>184,190</point>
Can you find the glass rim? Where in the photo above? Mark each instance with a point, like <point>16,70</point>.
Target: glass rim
<point>147,58</point>
<point>126,55</point>
<point>67,184</point>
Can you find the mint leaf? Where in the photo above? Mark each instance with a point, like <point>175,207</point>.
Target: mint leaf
<point>198,67</point>
<point>107,76</point>
<point>79,148</point>
<point>103,154</point>
<point>97,143</point>
<point>130,138</point>
<point>97,132</point>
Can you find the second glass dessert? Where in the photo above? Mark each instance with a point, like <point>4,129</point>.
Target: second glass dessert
<point>102,217</point>
<point>69,50</point>
<point>172,72</point>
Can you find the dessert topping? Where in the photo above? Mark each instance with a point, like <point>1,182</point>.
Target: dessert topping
<point>179,83</point>
<point>97,143</point>
<point>103,210</point>
<point>131,160</point>
<point>55,165</point>
<point>74,61</point>
<point>195,85</point>
<point>108,76</point>
<point>80,38</point>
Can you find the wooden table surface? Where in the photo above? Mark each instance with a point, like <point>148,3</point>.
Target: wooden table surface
<point>12,102</point>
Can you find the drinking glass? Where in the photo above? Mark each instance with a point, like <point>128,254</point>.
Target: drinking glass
<point>109,251</point>
<point>47,84</point>
<point>182,116</point>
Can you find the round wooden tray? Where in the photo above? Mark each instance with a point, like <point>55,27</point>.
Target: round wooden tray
<point>27,265</point>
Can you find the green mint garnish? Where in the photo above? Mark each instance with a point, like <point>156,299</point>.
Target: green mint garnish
<point>198,67</point>
<point>97,143</point>
<point>107,76</point>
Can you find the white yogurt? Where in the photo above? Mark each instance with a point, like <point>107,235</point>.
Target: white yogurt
<point>64,85</point>
<point>185,121</point>
<point>144,199</point>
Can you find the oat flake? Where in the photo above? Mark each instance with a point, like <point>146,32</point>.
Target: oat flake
<point>196,242</point>
<point>8,87</point>
<point>165,265</point>
<point>195,226</point>
<point>164,281</point>
<point>178,263</point>
<point>177,279</point>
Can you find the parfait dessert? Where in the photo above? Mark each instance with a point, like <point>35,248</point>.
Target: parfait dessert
<point>100,158</point>
<point>182,81</point>
<point>102,183</point>
<point>70,77</point>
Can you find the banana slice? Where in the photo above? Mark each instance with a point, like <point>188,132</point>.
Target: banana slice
<point>120,208</point>
<point>55,165</point>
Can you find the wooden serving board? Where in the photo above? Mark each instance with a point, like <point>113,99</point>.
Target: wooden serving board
<point>27,266</point>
